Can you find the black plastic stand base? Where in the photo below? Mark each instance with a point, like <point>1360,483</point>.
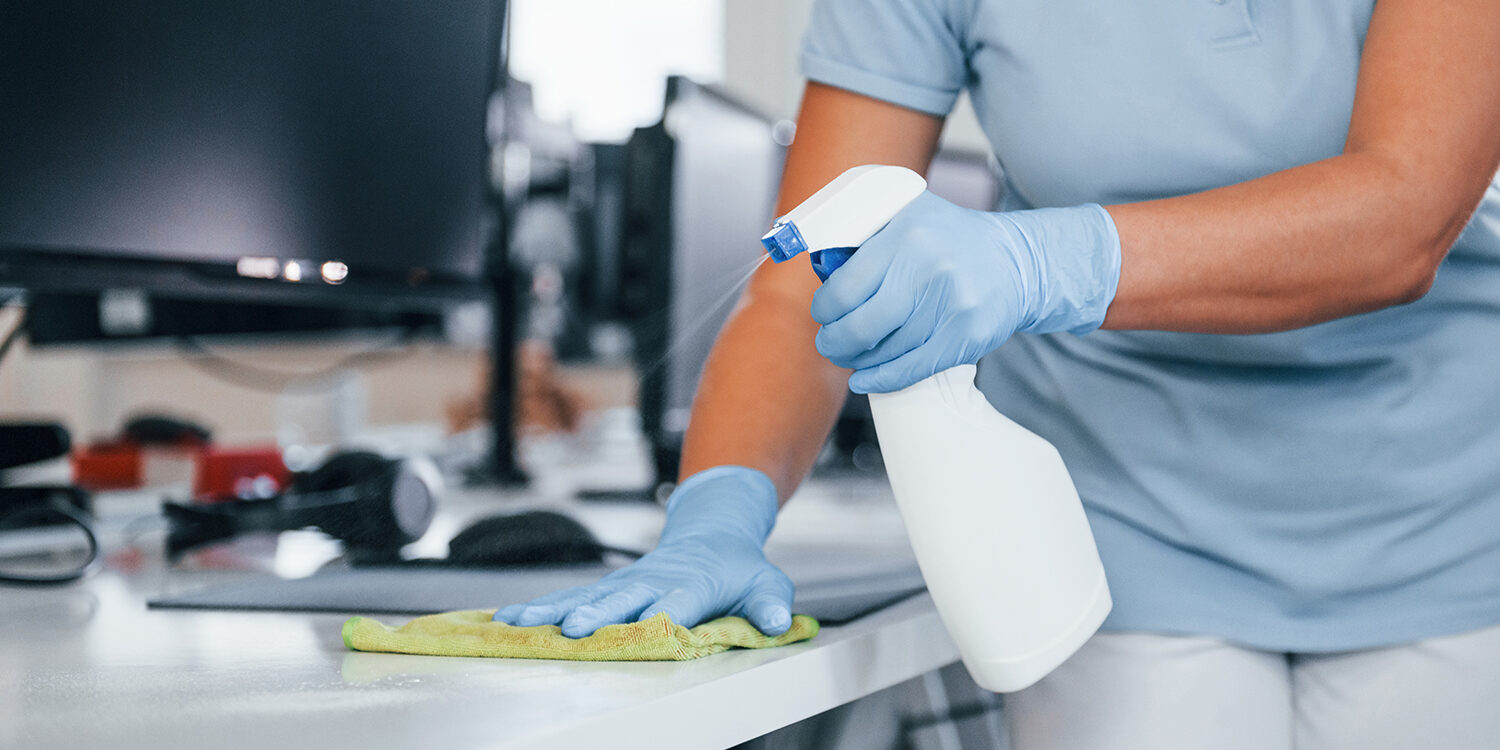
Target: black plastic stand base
<point>651,495</point>
<point>496,475</point>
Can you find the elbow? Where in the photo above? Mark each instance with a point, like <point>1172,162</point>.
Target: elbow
<point>1410,286</point>
<point>1423,219</point>
<point>1415,267</point>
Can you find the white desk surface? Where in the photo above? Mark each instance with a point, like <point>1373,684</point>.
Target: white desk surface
<point>89,665</point>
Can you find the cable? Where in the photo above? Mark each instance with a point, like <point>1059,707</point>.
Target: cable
<point>13,336</point>
<point>69,516</point>
<point>133,533</point>
<point>217,366</point>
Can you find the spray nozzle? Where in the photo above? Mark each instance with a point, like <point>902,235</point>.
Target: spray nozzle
<point>842,215</point>
<point>784,242</point>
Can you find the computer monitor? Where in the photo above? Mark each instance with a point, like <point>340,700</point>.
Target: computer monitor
<point>277,151</point>
<point>968,178</point>
<point>700,188</point>
<point>699,192</point>
<point>243,166</point>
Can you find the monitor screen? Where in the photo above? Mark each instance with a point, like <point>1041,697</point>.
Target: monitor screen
<point>700,189</point>
<point>181,145</point>
<point>725,172</point>
<point>699,192</point>
<point>968,179</point>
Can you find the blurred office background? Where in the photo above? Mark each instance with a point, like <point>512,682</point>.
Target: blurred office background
<point>589,81</point>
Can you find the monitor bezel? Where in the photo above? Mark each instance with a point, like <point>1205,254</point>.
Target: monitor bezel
<point>51,270</point>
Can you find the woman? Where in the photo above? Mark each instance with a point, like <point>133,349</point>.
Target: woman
<point>1287,436</point>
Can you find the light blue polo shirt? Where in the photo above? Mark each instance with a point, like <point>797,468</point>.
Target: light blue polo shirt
<point>1329,488</point>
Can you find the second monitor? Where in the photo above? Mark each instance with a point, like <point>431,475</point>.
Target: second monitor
<point>700,190</point>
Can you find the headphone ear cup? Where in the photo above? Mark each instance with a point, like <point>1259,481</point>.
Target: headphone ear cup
<point>341,470</point>
<point>386,502</point>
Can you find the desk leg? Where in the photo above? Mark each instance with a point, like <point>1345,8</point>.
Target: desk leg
<point>941,710</point>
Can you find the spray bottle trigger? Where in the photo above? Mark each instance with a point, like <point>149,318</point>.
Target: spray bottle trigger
<point>825,262</point>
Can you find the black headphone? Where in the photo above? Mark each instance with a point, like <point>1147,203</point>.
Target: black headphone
<point>373,503</point>
<point>50,505</point>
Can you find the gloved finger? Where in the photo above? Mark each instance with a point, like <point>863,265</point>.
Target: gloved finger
<point>507,614</point>
<point>917,329</point>
<point>920,328</point>
<point>864,327</point>
<point>901,372</point>
<point>768,603</point>
<point>621,606</point>
<point>686,606</point>
<point>553,612</point>
<point>854,282</point>
<point>860,276</point>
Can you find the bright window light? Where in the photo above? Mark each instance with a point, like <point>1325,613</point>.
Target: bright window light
<point>602,64</point>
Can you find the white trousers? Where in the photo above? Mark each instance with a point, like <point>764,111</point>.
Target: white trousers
<point>1131,691</point>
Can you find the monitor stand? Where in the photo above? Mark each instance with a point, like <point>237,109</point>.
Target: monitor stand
<point>500,467</point>
<point>665,461</point>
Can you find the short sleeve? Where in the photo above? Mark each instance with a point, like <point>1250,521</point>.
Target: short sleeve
<point>907,52</point>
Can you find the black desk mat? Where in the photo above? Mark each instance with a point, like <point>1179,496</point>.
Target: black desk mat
<point>833,599</point>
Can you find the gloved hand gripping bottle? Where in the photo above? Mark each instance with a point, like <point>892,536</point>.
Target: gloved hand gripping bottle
<point>991,512</point>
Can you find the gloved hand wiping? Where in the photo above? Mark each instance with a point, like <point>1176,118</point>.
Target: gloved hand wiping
<point>708,563</point>
<point>942,286</point>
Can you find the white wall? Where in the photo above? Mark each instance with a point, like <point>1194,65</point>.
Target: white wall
<point>601,64</point>
<point>93,391</point>
<point>760,64</point>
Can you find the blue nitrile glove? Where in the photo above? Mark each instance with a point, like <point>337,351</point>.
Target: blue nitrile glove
<point>942,286</point>
<point>708,563</point>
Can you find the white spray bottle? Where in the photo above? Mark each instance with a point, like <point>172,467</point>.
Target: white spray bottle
<point>994,518</point>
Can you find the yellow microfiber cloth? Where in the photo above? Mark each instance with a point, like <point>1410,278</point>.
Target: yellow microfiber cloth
<point>472,633</point>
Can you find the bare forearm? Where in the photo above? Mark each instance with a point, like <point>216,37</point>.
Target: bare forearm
<point>767,399</point>
<point>1350,234</point>
<point>1322,241</point>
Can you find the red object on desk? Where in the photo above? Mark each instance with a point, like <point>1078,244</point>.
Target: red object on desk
<point>228,473</point>
<point>108,466</point>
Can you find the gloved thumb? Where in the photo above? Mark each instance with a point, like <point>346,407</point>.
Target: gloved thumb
<point>768,603</point>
